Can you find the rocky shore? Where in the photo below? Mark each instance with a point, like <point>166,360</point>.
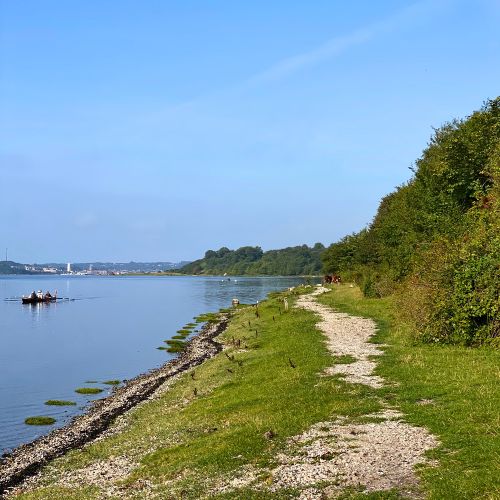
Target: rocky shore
<point>27,459</point>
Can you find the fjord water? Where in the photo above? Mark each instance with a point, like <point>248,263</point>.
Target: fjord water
<point>110,331</point>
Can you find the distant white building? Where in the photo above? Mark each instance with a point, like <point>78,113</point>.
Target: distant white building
<point>68,267</point>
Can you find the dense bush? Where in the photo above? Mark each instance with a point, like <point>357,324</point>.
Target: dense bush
<point>436,240</point>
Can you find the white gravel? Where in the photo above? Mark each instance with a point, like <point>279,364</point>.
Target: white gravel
<point>375,456</point>
<point>346,336</point>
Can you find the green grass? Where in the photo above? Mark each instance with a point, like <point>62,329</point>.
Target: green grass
<point>59,402</point>
<point>453,391</point>
<point>39,421</point>
<point>88,390</point>
<point>213,419</point>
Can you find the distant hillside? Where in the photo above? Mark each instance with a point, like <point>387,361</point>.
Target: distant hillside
<point>291,261</point>
<point>9,267</point>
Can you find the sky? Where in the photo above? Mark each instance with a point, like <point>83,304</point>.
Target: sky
<point>158,129</point>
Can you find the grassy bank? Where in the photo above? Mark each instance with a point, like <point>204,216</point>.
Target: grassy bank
<point>239,408</point>
<point>453,391</point>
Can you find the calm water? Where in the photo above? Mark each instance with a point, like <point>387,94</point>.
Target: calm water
<point>110,331</point>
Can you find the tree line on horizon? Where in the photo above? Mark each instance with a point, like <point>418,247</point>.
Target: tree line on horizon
<point>434,243</point>
<point>291,261</point>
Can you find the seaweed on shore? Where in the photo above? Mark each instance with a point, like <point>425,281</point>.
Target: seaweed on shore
<point>175,346</point>
<point>111,382</point>
<point>175,349</point>
<point>88,390</point>
<point>39,420</point>
<point>173,343</point>
<point>207,318</point>
<point>59,402</point>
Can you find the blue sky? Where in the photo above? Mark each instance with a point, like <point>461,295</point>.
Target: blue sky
<point>155,130</point>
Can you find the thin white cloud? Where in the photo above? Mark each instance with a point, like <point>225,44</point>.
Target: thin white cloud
<point>326,51</point>
<point>340,44</point>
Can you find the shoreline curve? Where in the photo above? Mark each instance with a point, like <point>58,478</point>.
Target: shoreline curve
<point>29,458</point>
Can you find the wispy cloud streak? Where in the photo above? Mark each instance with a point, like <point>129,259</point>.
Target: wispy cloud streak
<point>337,45</point>
<point>326,51</point>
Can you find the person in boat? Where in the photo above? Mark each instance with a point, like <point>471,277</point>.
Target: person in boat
<point>48,295</point>
<point>32,295</point>
<point>39,294</point>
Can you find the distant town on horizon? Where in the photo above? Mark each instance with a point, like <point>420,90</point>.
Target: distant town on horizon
<point>88,268</point>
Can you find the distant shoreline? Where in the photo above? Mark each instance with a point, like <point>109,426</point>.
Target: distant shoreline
<point>231,276</point>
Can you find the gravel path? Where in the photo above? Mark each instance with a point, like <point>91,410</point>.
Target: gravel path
<point>346,336</point>
<point>378,455</point>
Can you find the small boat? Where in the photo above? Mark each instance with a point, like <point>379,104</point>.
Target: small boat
<point>29,300</point>
<point>36,298</point>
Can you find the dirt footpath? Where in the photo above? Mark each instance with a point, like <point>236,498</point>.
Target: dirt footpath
<point>379,455</point>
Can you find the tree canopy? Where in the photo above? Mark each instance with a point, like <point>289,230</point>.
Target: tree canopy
<point>291,261</point>
<point>435,241</point>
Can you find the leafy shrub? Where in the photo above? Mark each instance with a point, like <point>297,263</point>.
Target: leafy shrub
<point>435,241</point>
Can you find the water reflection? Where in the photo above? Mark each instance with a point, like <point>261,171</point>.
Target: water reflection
<point>36,310</point>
